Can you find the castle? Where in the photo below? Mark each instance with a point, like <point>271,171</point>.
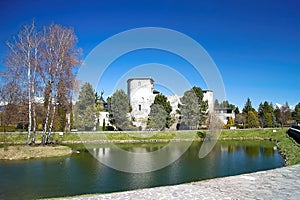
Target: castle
<point>141,95</point>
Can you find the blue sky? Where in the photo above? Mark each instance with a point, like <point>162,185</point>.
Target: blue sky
<point>255,44</point>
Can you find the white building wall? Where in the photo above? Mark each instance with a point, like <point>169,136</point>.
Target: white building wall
<point>174,101</point>
<point>208,96</point>
<point>140,93</point>
<point>224,115</point>
<point>104,116</point>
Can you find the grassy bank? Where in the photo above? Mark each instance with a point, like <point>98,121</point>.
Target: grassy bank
<point>18,152</point>
<point>287,146</point>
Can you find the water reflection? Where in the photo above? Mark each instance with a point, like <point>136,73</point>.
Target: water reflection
<point>250,150</point>
<point>82,173</point>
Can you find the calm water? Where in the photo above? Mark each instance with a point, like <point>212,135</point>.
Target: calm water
<point>82,173</point>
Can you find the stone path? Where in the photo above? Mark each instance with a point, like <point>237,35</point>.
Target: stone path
<point>282,183</point>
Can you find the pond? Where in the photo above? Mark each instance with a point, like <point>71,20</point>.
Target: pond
<point>82,173</point>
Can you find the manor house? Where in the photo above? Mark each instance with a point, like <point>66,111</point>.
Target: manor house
<point>141,95</point>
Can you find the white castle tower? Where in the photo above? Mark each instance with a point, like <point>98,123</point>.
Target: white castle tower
<point>141,95</point>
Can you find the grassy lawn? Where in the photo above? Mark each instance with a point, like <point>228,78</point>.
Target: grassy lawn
<point>17,152</point>
<point>287,146</point>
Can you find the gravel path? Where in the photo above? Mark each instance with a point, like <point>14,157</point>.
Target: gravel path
<point>282,183</point>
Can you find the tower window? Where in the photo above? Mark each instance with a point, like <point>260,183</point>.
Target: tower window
<point>139,83</point>
<point>140,107</point>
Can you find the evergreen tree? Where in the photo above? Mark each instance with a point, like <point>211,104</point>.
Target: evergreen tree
<point>251,115</point>
<point>203,105</point>
<point>86,98</point>
<point>89,118</point>
<point>216,104</point>
<point>277,115</point>
<point>297,113</point>
<point>268,120</point>
<point>266,114</point>
<point>163,102</point>
<point>252,120</point>
<point>237,110</point>
<point>157,117</point>
<point>119,108</point>
<point>190,112</point>
<point>248,107</point>
<point>84,108</point>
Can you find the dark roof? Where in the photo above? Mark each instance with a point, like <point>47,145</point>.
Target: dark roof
<point>156,92</point>
<point>223,109</point>
<point>140,79</point>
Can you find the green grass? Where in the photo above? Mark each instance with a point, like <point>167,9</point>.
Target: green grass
<point>17,152</point>
<point>287,146</point>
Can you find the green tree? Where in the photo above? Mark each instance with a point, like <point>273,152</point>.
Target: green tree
<point>203,105</point>
<point>119,109</point>
<point>269,120</point>
<point>266,114</point>
<point>86,98</point>
<point>89,118</point>
<point>277,115</point>
<point>237,110</point>
<point>297,113</point>
<point>250,114</point>
<point>163,102</point>
<point>252,120</point>
<point>226,104</point>
<point>230,122</point>
<point>248,107</point>
<point>216,104</point>
<point>157,117</point>
<point>190,112</point>
<point>84,105</point>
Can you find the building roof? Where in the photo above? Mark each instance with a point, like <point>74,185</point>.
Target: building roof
<point>145,78</point>
<point>223,108</point>
<point>156,92</point>
<point>207,91</point>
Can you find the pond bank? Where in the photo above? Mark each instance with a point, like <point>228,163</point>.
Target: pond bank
<point>20,152</point>
<point>286,145</point>
<point>281,183</point>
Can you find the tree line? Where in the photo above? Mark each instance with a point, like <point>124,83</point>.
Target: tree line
<point>39,79</point>
<point>191,109</point>
<point>267,115</point>
<point>38,82</point>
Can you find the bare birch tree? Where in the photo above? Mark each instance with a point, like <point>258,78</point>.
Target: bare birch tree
<point>22,64</point>
<point>43,61</point>
<point>60,55</point>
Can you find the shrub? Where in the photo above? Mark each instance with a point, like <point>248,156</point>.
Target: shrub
<point>201,135</point>
<point>7,128</point>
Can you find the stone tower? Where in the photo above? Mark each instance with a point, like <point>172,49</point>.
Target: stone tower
<point>141,95</point>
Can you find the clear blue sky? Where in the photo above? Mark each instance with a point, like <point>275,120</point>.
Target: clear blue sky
<point>255,44</point>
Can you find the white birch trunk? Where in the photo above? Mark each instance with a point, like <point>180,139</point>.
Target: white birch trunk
<point>47,119</point>
<point>29,98</point>
<point>52,120</point>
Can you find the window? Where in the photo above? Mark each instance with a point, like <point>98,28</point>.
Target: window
<point>139,83</point>
<point>140,107</point>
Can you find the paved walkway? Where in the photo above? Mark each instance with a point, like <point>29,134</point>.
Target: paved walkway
<point>282,183</point>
